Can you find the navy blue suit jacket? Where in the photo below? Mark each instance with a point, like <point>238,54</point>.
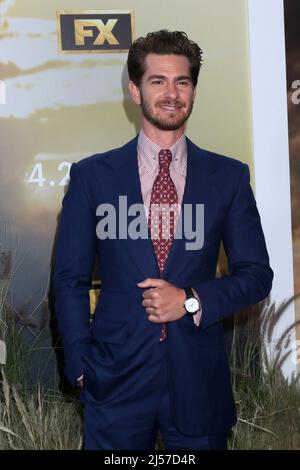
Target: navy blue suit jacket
<point>198,372</point>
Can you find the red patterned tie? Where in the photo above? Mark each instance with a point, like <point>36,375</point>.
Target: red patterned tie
<point>162,214</point>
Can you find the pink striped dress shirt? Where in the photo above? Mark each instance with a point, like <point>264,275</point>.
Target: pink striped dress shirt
<point>148,164</point>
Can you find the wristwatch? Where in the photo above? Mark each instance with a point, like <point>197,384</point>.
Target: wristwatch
<point>192,304</point>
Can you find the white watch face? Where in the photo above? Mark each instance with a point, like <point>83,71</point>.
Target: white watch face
<point>192,305</point>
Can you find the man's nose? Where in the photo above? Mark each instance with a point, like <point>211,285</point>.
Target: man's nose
<point>172,91</point>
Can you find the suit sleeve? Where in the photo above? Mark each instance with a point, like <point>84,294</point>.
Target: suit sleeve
<point>250,278</point>
<point>73,267</point>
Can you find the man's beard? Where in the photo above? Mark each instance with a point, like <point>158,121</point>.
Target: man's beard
<point>167,124</point>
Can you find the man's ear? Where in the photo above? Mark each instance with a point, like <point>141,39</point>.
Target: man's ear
<point>135,92</point>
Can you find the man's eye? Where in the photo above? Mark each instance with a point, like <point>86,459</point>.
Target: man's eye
<point>156,82</point>
<point>183,83</point>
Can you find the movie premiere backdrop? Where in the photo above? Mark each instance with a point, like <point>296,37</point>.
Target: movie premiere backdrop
<point>292,21</point>
<point>64,97</point>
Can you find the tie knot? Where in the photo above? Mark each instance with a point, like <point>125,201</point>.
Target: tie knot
<point>165,158</point>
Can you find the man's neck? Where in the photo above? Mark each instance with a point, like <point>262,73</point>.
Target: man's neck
<point>165,139</point>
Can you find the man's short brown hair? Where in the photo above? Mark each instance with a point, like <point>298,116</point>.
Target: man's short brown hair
<point>163,42</point>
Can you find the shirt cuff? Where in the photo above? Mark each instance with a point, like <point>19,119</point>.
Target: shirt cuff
<point>198,315</point>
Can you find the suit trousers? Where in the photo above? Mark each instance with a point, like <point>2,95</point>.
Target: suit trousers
<point>132,422</point>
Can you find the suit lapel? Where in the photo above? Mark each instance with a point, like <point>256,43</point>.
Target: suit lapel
<point>128,181</point>
<point>197,191</point>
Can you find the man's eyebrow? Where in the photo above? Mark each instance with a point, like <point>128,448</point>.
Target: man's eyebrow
<point>161,77</point>
<point>184,77</point>
<point>156,76</point>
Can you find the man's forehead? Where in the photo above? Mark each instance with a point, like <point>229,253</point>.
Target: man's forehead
<point>167,62</point>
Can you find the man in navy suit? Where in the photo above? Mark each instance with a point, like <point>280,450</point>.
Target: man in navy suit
<point>154,213</point>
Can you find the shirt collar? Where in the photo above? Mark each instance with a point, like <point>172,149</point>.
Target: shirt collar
<point>148,154</point>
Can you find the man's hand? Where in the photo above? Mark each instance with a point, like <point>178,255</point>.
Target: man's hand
<point>163,301</point>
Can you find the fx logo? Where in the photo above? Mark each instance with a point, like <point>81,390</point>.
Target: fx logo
<point>83,29</point>
<point>95,31</point>
<point>2,92</point>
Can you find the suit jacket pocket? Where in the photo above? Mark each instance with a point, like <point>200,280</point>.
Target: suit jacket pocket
<point>110,335</point>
